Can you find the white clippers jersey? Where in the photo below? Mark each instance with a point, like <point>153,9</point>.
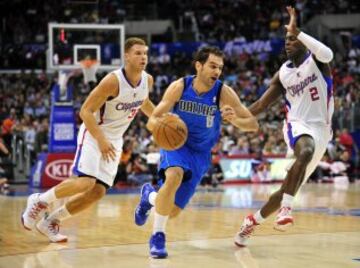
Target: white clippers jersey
<point>308,92</point>
<point>115,115</point>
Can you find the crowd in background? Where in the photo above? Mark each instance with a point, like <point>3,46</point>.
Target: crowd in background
<point>25,97</point>
<point>23,38</point>
<point>25,107</point>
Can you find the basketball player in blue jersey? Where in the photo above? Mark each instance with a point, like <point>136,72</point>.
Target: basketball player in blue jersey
<point>106,113</point>
<point>305,82</point>
<point>201,101</point>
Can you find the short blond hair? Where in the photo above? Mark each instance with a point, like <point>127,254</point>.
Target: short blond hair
<point>130,42</point>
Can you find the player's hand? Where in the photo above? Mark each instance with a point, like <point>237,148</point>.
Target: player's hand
<point>292,27</point>
<point>107,150</point>
<point>151,124</point>
<point>168,114</point>
<point>153,121</point>
<point>228,113</point>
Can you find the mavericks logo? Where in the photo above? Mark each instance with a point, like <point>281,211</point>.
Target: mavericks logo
<point>197,108</point>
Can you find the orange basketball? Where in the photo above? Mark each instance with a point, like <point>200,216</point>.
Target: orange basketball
<point>170,132</point>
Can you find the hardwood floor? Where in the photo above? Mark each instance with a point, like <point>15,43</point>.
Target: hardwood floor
<point>326,232</point>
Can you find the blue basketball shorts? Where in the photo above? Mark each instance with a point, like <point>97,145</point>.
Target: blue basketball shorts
<point>195,164</point>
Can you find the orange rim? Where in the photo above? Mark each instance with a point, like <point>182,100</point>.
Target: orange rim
<point>88,63</point>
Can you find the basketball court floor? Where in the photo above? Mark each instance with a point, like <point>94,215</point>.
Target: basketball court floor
<point>326,232</point>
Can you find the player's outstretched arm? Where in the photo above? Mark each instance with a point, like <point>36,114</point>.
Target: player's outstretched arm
<point>271,95</point>
<point>321,52</point>
<point>233,111</point>
<point>170,97</point>
<point>148,106</point>
<point>108,87</point>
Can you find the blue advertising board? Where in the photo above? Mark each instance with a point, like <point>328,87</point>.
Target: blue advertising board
<point>62,133</point>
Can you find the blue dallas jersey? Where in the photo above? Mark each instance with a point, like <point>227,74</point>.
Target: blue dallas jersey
<point>201,114</point>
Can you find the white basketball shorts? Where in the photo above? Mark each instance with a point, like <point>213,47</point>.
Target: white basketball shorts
<point>321,135</point>
<point>88,159</point>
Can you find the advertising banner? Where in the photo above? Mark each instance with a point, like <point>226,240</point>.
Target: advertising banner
<point>236,169</point>
<point>62,134</point>
<point>231,48</point>
<point>50,169</point>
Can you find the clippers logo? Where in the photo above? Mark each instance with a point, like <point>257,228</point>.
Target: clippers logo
<point>59,169</point>
<point>126,106</point>
<point>298,89</point>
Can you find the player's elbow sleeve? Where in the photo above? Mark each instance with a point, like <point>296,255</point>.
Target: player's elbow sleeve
<point>324,54</point>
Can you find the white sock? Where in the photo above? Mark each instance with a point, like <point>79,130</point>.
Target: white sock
<point>287,200</point>
<point>49,196</point>
<point>59,214</point>
<point>258,218</point>
<point>152,197</point>
<point>159,223</point>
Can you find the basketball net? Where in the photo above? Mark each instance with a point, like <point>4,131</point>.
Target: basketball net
<point>89,68</point>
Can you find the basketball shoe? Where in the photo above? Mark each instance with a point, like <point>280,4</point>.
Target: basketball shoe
<point>246,230</point>
<point>157,246</point>
<point>35,210</point>
<point>51,228</point>
<point>142,210</point>
<point>283,219</point>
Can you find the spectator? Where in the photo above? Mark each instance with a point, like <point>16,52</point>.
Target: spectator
<point>7,128</point>
<point>346,140</point>
<point>349,166</point>
<point>139,171</point>
<point>5,164</point>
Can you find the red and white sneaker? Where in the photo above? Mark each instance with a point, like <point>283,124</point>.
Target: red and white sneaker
<point>34,211</point>
<point>246,230</point>
<point>284,219</point>
<point>51,228</point>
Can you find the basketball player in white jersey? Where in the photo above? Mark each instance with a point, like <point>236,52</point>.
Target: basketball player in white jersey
<point>305,80</point>
<point>106,113</point>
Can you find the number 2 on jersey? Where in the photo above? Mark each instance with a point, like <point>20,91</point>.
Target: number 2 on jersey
<point>314,94</point>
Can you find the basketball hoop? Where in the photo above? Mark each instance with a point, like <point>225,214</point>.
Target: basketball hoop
<point>89,68</point>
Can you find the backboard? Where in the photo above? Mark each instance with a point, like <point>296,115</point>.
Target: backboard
<point>70,43</point>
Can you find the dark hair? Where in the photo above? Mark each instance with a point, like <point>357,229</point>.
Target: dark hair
<point>130,42</point>
<point>203,53</point>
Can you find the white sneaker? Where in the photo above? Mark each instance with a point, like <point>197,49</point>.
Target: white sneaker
<point>51,230</point>
<point>246,230</point>
<point>284,219</point>
<point>34,211</point>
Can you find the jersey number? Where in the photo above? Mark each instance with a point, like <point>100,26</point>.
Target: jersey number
<point>314,94</point>
<point>133,112</point>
